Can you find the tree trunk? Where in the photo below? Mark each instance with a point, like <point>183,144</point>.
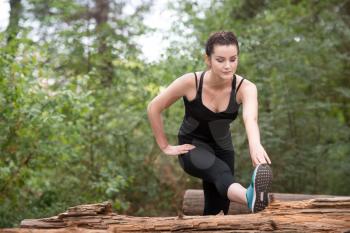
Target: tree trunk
<point>193,203</point>
<point>316,215</point>
<point>101,17</point>
<point>15,15</point>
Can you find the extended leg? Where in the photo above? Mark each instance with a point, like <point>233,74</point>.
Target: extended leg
<point>237,193</point>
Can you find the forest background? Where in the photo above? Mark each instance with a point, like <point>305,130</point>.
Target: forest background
<point>74,89</point>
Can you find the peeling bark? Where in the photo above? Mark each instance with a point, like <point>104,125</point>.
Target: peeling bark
<point>315,215</point>
<point>193,203</point>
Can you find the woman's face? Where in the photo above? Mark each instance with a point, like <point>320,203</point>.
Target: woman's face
<point>224,60</point>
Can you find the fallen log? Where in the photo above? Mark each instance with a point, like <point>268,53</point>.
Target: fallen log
<point>193,202</point>
<point>316,215</point>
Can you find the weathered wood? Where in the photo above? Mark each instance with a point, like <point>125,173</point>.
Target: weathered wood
<point>88,216</point>
<point>316,215</point>
<point>193,202</point>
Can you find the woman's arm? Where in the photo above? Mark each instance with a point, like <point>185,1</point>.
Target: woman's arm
<point>165,99</point>
<point>249,98</point>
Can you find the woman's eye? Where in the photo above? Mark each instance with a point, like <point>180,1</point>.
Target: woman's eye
<point>223,60</point>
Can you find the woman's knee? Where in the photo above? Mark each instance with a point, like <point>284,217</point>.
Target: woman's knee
<point>223,182</point>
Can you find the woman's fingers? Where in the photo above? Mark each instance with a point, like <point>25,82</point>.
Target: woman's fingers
<point>178,149</point>
<point>259,156</point>
<point>189,146</point>
<point>185,148</point>
<point>256,161</point>
<point>260,159</point>
<point>267,158</point>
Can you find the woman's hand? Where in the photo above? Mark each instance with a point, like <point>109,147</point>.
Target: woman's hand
<point>176,150</point>
<point>258,155</point>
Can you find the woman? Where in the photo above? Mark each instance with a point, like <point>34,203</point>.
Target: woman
<point>212,99</point>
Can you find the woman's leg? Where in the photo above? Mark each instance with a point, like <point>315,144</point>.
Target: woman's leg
<point>202,162</point>
<point>213,201</point>
<point>237,193</point>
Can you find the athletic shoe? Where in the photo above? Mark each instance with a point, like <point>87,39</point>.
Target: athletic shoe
<point>258,191</point>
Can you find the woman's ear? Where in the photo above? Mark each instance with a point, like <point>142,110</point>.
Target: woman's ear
<point>207,61</point>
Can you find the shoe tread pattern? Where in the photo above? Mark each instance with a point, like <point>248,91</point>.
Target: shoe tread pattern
<point>263,181</point>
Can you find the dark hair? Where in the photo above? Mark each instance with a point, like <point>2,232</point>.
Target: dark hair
<point>220,38</point>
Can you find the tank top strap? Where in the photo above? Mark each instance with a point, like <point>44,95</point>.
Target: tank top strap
<point>195,77</point>
<point>234,84</point>
<point>239,85</point>
<point>201,83</point>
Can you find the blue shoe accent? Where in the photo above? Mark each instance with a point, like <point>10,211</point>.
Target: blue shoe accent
<point>258,191</point>
<point>251,194</point>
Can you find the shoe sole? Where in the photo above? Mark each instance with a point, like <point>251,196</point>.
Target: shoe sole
<point>262,185</point>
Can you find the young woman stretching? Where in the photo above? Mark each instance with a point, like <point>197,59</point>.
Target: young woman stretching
<point>212,99</point>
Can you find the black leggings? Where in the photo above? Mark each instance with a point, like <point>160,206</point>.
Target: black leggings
<point>215,167</point>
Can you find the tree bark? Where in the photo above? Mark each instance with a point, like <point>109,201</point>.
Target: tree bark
<point>15,16</point>
<point>193,203</point>
<point>316,215</point>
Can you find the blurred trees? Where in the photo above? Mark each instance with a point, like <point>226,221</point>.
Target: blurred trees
<point>73,97</point>
<point>72,108</point>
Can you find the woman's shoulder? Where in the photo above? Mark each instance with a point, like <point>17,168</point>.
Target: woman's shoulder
<point>247,88</point>
<point>189,78</point>
<point>246,84</point>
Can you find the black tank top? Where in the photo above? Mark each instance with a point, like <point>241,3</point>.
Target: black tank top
<point>205,125</point>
